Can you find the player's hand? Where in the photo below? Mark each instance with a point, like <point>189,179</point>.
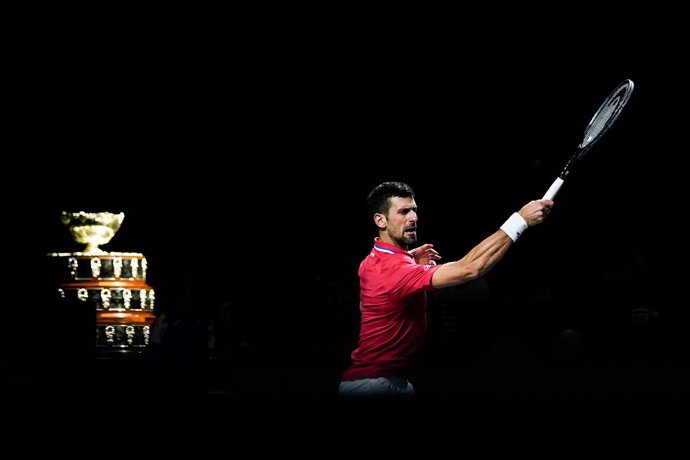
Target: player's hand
<point>425,254</point>
<point>536,211</point>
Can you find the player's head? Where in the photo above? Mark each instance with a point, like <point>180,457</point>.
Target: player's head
<point>394,210</point>
<point>379,199</point>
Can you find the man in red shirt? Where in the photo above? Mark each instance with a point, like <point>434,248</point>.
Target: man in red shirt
<point>393,285</point>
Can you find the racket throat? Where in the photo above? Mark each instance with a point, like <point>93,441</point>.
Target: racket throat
<point>569,167</point>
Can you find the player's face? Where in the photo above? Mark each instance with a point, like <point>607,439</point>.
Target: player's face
<point>402,221</point>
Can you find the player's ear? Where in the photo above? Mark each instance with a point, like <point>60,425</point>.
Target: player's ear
<point>380,220</point>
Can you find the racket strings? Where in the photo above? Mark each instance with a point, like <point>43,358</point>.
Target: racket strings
<point>606,115</point>
<point>600,122</point>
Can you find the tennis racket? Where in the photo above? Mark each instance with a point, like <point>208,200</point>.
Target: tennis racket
<point>601,121</point>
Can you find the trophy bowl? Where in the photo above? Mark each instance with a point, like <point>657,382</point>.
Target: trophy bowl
<point>92,228</point>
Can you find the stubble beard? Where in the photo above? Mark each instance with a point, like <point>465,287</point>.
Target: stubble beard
<point>405,241</point>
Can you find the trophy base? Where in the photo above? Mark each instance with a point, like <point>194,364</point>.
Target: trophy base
<point>111,288</point>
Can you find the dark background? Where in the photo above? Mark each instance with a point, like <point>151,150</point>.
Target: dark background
<point>244,161</point>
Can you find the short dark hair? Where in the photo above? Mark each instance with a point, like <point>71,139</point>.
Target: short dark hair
<point>379,198</point>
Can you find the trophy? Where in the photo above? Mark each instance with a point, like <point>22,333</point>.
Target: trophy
<point>92,228</point>
<point>111,285</point>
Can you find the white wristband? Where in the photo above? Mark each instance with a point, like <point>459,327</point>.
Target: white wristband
<point>514,226</point>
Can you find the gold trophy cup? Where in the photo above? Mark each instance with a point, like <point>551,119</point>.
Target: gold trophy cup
<point>92,228</point>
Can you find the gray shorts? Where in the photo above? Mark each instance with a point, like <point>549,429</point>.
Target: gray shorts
<point>381,387</point>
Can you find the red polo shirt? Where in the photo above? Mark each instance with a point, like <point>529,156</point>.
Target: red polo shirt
<point>393,294</point>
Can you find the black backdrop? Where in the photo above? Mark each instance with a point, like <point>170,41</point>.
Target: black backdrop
<point>251,165</point>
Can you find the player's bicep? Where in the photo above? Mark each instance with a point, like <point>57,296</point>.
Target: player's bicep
<point>451,274</point>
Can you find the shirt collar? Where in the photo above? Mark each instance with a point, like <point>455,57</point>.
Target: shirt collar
<point>388,248</point>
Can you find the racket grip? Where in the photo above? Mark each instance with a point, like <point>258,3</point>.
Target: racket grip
<point>555,187</point>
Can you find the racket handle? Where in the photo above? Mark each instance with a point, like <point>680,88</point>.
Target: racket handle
<point>555,187</point>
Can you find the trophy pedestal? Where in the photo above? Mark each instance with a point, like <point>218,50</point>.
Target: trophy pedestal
<point>111,289</point>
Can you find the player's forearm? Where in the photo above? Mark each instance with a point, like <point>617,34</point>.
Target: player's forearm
<point>476,263</point>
